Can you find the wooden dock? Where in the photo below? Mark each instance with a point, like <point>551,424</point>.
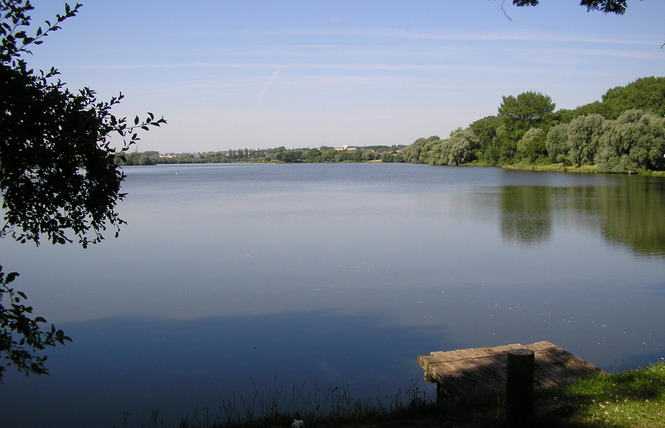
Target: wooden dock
<point>479,371</point>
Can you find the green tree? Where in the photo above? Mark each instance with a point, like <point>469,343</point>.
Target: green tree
<point>435,152</point>
<point>633,142</point>
<point>388,158</point>
<point>503,148</point>
<point>58,175</point>
<point>486,129</point>
<point>313,155</point>
<point>463,146</point>
<point>327,154</point>
<point>411,153</point>
<point>532,145</point>
<point>527,110</point>
<point>556,143</point>
<point>647,93</point>
<point>289,156</point>
<point>583,136</point>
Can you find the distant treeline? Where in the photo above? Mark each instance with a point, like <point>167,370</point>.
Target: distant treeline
<point>625,132</point>
<point>622,133</point>
<point>279,154</point>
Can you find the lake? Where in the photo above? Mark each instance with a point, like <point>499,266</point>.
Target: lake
<point>237,277</point>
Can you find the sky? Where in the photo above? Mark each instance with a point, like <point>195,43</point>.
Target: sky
<point>231,74</point>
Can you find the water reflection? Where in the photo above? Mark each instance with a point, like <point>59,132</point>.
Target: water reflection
<point>330,274</point>
<point>181,366</point>
<point>629,214</point>
<point>633,215</point>
<point>526,214</point>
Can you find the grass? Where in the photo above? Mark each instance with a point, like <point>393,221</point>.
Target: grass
<point>630,399</point>
<point>560,167</point>
<point>555,167</point>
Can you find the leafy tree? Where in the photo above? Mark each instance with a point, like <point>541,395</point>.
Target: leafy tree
<point>583,136</point>
<point>463,145</point>
<point>596,107</point>
<point>486,129</point>
<point>527,110</point>
<point>647,93</point>
<point>435,152</point>
<point>606,6</point>
<point>633,142</point>
<point>313,155</point>
<point>289,156</point>
<point>503,148</point>
<point>328,154</point>
<point>556,142</point>
<point>58,175</point>
<point>532,145</point>
<point>411,154</point>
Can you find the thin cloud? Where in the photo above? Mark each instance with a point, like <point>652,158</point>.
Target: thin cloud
<point>435,34</point>
<point>269,84</point>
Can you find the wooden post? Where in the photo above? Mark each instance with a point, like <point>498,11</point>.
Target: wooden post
<point>519,388</point>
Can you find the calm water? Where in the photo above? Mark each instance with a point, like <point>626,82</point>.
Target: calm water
<point>229,277</point>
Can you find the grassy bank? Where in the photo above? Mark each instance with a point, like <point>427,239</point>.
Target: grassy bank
<point>560,167</point>
<point>555,167</point>
<point>630,399</point>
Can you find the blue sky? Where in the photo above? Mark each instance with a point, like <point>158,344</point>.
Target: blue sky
<point>258,74</point>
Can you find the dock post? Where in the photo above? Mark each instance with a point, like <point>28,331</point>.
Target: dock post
<point>519,388</point>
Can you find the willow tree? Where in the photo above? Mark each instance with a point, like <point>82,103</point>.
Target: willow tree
<point>634,142</point>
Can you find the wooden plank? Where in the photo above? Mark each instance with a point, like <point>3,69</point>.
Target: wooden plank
<point>483,370</point>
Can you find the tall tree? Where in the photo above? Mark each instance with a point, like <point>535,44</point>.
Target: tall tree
<point>58,175</point>
<point>584,133</point>
<point>633,142</point>
<point>556,142</point>
<point>527,110</point>
<point>532,145</point>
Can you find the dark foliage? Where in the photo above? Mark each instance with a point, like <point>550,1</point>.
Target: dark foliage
<point>58,174</point>
<point>606,6</point>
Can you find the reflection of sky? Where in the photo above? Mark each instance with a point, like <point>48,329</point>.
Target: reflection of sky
<point>344,277</point>
<point>181,366</point>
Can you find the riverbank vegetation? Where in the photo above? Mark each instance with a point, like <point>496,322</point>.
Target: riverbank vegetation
<point>280,154</point>
<point>634,398</point>
<point>622,133</point>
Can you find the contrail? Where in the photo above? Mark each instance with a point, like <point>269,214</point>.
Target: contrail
<point>269,83</point>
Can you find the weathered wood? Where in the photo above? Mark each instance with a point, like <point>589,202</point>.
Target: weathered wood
<point>469,372</point>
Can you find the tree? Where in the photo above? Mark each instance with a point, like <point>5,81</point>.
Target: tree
<point>411,153</point>
<point>313,155</point>
<point>606,6</point>
<point>583,135</point>
<point>633,142</point>
<point>58,175</point>
<point>486,129</point>
<point>532,145</point>
<point>647,93</point>
<point>525,111</point>
<point>463,145</point>
<point>556,142</point>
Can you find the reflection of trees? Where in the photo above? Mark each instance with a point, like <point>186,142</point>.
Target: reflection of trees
<point>630,213</point>
<point>633,215</point>
<point>526,214</point>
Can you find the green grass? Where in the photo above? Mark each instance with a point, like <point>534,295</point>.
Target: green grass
<point>630,399</point>
<point>634,398</point>
<point>555,167</point>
